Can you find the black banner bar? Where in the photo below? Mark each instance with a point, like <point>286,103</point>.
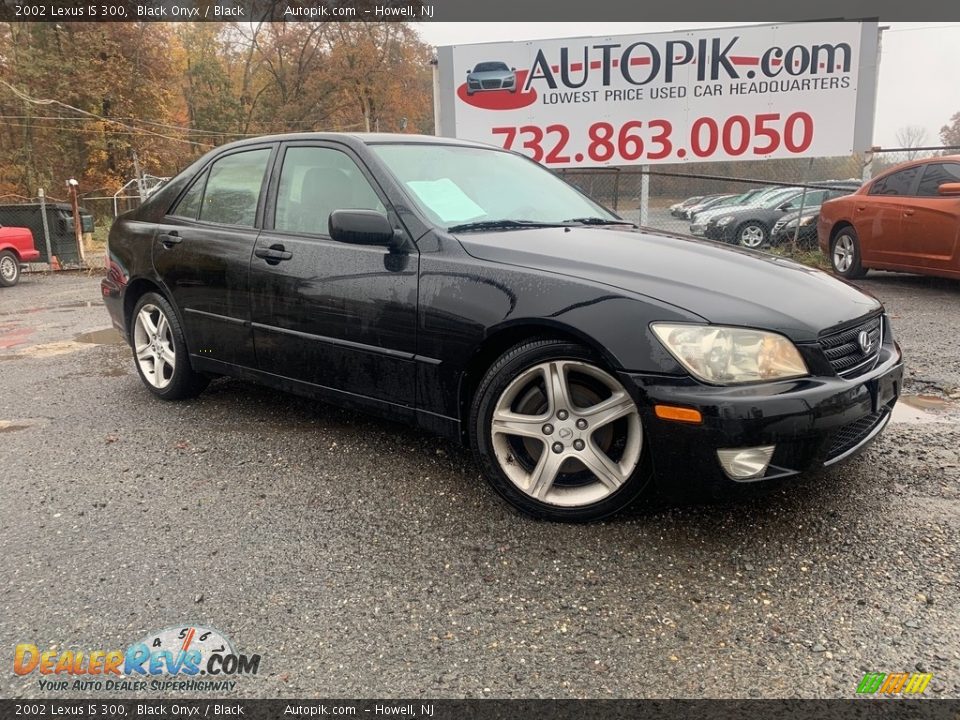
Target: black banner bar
<point>219,709</point>
<point>469,10</point>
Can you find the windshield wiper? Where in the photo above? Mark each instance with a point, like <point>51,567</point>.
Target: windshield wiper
<point>598,221</point>
<point>501,225</point>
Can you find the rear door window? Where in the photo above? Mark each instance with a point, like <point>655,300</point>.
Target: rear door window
<point>233,188</point>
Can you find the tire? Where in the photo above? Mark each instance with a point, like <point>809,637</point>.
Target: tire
<point>845,254</point>
<point>9,269</point>
<point>160,352</point>
<point>542,434</point>
<point>752,235</point>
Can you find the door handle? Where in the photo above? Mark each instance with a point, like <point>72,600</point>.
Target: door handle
<point>908,212</point>
<point>168,240</point>
<point>273,254</point>
<point>861,208</point>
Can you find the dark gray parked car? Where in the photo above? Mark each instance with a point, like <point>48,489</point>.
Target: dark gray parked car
<point>491,76</point>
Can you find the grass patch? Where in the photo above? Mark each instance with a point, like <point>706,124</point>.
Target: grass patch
<point>806,256</point>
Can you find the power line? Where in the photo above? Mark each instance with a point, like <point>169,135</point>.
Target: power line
<point>47,102</point>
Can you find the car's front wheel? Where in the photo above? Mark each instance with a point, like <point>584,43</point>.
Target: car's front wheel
<point>160,351</point>
<point>9,269</point>
<point>557,435</point>
<point>752,234</point>
<point>845,254</point>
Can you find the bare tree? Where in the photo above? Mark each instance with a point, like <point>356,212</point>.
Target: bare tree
<point>911,137</point>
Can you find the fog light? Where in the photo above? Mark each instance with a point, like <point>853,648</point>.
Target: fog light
<point>746,463</point>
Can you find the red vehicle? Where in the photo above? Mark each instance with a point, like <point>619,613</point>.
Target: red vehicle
<point>906,219</point>
<point>16,247</point>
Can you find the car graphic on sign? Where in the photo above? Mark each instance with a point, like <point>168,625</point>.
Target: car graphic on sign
<point>494,75</point>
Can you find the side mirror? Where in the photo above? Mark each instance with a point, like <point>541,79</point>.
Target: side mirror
<point>786,206</point>
<point>469,71</point>
<point>513,69</point>
<point>950,189</point>
<point>361,227</point>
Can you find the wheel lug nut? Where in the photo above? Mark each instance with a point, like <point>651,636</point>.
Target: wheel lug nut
<point>548,429</point>
<point>558,447</point>
<point>578,445</point>
<point>582,424</point>
<point>563,414</point>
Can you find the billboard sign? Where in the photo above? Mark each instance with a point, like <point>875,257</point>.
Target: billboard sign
<point>743,93</point>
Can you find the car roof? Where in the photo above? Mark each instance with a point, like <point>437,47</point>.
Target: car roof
<point>359,139</point>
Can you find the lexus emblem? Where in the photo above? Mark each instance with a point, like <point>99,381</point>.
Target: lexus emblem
<point>863,339</point>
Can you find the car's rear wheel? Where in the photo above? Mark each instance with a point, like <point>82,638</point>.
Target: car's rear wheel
<point>557,435</point>
<point>845,254</point>
<point>9,269</point>
<point>752,234</point>
<point>160,352</point>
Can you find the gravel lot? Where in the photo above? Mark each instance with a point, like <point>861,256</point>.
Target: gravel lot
<point>363,559</point>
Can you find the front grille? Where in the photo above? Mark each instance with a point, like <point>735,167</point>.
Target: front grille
<point>851,435</point>
<point>843,349</point>
<point>490,84</point>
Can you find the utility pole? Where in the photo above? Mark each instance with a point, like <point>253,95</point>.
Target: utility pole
<point>77,225</point>
<point>46,225</point>
<point>136,169</point>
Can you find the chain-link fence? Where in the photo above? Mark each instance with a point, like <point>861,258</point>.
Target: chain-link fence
<point>51,223</point>
<point>754,203</point>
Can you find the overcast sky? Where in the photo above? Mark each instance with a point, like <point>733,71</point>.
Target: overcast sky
<point>918,67</point>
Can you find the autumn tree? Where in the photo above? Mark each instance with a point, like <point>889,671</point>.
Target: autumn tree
<point>950,133</point>
<point>93,100</point>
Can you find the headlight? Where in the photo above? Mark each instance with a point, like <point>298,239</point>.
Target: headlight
<point>808,220</point>
<point>791,224</point>
<point>725,220</point>
<point>730,355</point>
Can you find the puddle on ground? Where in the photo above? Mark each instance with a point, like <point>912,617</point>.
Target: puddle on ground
<point>109,336</point>
<point>59,306</point>
<point>923,409</point>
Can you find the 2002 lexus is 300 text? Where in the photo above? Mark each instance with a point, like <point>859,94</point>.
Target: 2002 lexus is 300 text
<point>470,291</point>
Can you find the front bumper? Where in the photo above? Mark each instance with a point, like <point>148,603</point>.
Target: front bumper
<point>721,233</point>
<point>813,422</point>
<point>807,237</point>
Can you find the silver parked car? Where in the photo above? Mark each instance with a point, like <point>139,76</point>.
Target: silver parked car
<point>491,76</point>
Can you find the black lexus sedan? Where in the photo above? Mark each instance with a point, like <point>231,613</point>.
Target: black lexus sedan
<point>469,291</point>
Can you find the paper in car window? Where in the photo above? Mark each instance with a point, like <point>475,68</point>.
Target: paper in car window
<point>445,198</point>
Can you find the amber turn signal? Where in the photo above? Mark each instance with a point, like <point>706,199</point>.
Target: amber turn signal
<point>680,414</point>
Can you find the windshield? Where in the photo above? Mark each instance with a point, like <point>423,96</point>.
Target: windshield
<point>490,67</point>
<point>777,199</point>
<point>454,185</point>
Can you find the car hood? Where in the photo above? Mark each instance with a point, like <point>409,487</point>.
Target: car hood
<point>720,284</point>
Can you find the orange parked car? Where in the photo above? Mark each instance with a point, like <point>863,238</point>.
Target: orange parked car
<point>906,219</point>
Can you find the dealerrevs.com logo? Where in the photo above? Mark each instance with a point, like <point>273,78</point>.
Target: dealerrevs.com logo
<point>188,658</point>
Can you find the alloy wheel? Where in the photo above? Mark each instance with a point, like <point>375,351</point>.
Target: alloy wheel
<point>8,268</point>
<point>153,344</point>
<point>844,252</point>
<point>752,236</point>
<point>566,433</point>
